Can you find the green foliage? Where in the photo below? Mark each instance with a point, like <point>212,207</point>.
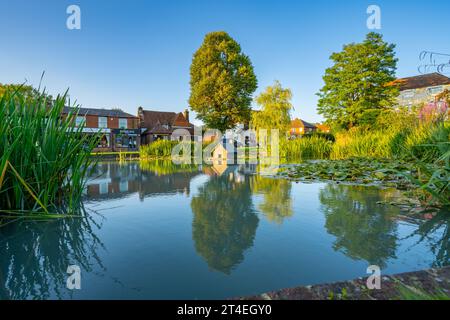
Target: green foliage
<point>424,141</point>
<point>275,105</point>
<point>160,148</point>
<point>43,158</point>
<point>410,293</point>
<point>356,90</point>
<point>360,142</point>
<point>163,148</point>
<point>25,91</point>
<point>310,147</point>
<point>222,82</point>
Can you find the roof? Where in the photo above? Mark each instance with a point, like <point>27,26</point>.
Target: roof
<point>422,81</point>
<point>299,123</point>
<point>98,112</point>
<point>155,121</point>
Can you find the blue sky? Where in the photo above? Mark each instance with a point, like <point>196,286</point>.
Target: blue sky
<point>137,53</point>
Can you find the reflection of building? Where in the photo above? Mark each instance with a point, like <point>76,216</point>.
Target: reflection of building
<point>114,181</point>
<point>120,130</point>
<point>159,125</point>
<point>418,90</point>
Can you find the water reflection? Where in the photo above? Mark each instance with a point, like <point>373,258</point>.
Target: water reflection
<point>434,230</point>
<point>277,200</point>
<point>363,229</point>
<point>148,179</point>
<point>221,208</point>
<point>35,256</point>
<point>224,223</point>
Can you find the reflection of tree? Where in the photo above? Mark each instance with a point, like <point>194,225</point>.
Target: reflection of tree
<point>34,256</point>
<point>436,232</point>
<point>167,167</point>
<point>224,222</point>
<point>277,203</point>
<point>364,229</point>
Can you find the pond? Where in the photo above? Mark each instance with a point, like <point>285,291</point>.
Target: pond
<point>159,231</point>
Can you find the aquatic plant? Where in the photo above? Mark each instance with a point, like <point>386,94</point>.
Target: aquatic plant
<point>309,147</point>
<point>44,158</point>
<point>160,148</point>
<point>409,142</point>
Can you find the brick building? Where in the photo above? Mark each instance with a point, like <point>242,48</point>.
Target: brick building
<point>120,130</point>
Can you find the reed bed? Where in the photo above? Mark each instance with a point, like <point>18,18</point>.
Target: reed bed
<point>312,147</point>
<point>44,158</point>
<point>160,148</point>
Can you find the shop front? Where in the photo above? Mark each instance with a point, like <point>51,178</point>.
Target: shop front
<point>125,139</point>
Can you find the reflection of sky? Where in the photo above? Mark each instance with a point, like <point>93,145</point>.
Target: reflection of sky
<point>150,250</point>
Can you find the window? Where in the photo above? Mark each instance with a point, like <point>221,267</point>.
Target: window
<point>102,122</point>
<point>435,90</point>
<point>79,121</point>
<point>103,188</point>
<point>407,94</point>
<point>122,123</point>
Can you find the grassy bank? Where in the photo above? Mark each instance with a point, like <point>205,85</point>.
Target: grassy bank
<point>415,155</point>
<point>43,158</point>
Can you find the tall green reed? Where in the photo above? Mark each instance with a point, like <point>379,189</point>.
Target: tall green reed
<point>308,147</point>
<point>44,157</point>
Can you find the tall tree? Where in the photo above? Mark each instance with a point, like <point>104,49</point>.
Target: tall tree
<point>356,87</point>
<point>275,110</point>
<point>222,82</point>
<point>25,90</point>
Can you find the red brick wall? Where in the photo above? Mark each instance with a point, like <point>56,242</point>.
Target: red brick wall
<point>113,122</point>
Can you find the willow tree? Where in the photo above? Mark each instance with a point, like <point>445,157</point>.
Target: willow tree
<point>356,90</point>
<point>275,103</point>
<point>222,82</point>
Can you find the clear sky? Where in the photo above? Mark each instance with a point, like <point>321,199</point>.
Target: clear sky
<point>137,53</point>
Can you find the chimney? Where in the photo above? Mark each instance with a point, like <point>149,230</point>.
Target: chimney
<point>140,115</point>
<point>186,114</point>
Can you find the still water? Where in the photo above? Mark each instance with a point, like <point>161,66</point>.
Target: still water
<point>159,231</point>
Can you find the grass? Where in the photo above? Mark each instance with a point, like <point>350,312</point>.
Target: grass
<point>308,147</point>
<point>43,158</point>
<point>420,141</point>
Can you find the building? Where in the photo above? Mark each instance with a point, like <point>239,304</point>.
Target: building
<point>418,90</point>
<point>323,128</point>
<point>160,125</point>
<point>300,127</point>
<point>225,152</point>
<point>120,130</point>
